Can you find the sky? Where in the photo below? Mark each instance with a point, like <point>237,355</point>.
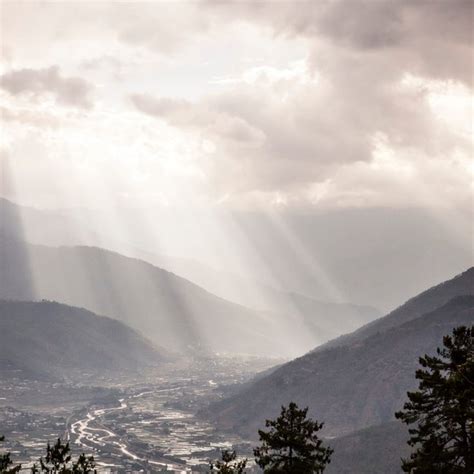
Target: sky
<point>277,108</point>
<point>281,104</point>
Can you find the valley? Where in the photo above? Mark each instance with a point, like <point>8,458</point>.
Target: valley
<point>128,422</point>
<point>236,237</point>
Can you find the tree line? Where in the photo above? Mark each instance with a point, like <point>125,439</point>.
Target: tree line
<point>58,459</point>
<point>440,415</point>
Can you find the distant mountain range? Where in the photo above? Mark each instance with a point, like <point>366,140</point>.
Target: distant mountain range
<point>376,256</point>
<point>362,380</point>
<point>172,311</point>
<point>323,319</point>
<point>50,340</point>
<point>353,382</point>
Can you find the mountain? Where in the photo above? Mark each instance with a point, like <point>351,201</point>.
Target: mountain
<point>327,318</point>
<point>39,226</point>
<point>355,385</point>
<point>373,450</point>
<point>171,311</point>
<point>380,256</point>
<point>47,339</point>
<point>322,320</point>
<point>462,284</point>
<point>319,321</point>
<point>167,308</point>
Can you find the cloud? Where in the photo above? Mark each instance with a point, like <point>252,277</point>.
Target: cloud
<point>300,133</point>
<point>29,117</point>
<point>430,38</point>
<point>69,91</point>
<point>162,29</point>
<point>216,124</point>
<point>99,28</point>
<point>267,100</point>
<point>328,112</point>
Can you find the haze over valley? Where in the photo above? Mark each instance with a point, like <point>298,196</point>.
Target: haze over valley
<point>237,237</point>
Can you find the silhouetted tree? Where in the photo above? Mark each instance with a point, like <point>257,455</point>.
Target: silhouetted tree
<point>6,464</point>
<point>228,464</point>
<point>442,409</point>
<point>84,464</point>
<point>292,445</point>
<point>58,460</point>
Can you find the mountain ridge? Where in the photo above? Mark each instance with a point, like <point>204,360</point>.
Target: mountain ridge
<point>350,386</point>
<point>316,321</point>
<point>411,309</point>
<point>172,311</point>
<point>49,339</point>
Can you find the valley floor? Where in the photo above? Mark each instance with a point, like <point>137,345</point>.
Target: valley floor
<point>129,422</point>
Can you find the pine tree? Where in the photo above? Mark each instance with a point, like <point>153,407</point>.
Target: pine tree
<point>442,409</point>
<point>58,459</point>
<point>6,462</point>
<point>84,464</point>
<point>292,445</point>
<point>228,464</point>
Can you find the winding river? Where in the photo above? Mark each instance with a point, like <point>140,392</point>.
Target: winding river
<point>87,436</point>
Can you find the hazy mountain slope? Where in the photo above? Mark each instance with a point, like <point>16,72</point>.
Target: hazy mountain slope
<point>373,450</point>
<point>349,387</point>
<point>324,319</point>
<point>379,256</point>
<point>300,252</point>
<point>170,310</point>
<point>48,339</point>
<point>327,318</point>
<point>319,321</point>
<point>462,284</point>
<point>39,226</point>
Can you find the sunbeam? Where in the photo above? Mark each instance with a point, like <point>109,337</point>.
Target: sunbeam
<point>215,212</point>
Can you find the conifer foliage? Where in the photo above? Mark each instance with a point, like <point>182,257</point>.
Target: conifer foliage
<point>6,463</point>
<point>58,460</point>
<point>292,444</point>
<point>442,409</point>
<point>229,464</point>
